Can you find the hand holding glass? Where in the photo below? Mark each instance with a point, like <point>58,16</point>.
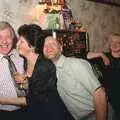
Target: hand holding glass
<point>21,79</point>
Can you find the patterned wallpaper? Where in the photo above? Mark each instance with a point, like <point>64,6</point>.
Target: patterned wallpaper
<point>14,11</point>
<point>100,19</point>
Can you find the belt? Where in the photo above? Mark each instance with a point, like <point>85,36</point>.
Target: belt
<point>10,111</point>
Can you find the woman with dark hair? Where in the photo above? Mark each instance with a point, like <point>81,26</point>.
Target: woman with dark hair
<point>42,98</point>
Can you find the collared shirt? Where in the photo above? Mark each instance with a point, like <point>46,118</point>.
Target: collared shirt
<point>7,88</point>
<point>76,85</point>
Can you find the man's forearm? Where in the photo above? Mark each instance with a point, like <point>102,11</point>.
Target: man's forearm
<point>101,105</point>
<point>13,101</point>
<point>92,55</point>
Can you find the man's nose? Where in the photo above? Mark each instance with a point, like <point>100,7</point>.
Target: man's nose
<point>49,47</point>
<point>4,41</point>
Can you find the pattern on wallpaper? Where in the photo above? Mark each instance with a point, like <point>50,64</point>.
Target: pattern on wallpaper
<point>14,11</point>
<point>100,19</point>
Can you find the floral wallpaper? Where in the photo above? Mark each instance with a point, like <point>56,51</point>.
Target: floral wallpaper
<point>14,11</point>
<point>100,19</point>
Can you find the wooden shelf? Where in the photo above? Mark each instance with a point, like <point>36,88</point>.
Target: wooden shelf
<point>58,2</point>
<point>75,43</point>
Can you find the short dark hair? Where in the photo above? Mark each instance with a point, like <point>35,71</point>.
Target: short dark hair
<point>33,34</point>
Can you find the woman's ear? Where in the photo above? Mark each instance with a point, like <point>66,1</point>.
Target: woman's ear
<point>32,49</point>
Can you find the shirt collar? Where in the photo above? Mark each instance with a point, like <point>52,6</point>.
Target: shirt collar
<point>60,61</point>
<point>12,53</point>
<point>1,56</point>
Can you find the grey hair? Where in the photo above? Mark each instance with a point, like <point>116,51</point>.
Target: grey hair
<point>5,25</point>
<point>114,36</point>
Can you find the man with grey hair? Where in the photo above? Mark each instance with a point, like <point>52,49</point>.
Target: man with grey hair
<point>7,48</point>
<point>111,71</point>
<point>114,49</point>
